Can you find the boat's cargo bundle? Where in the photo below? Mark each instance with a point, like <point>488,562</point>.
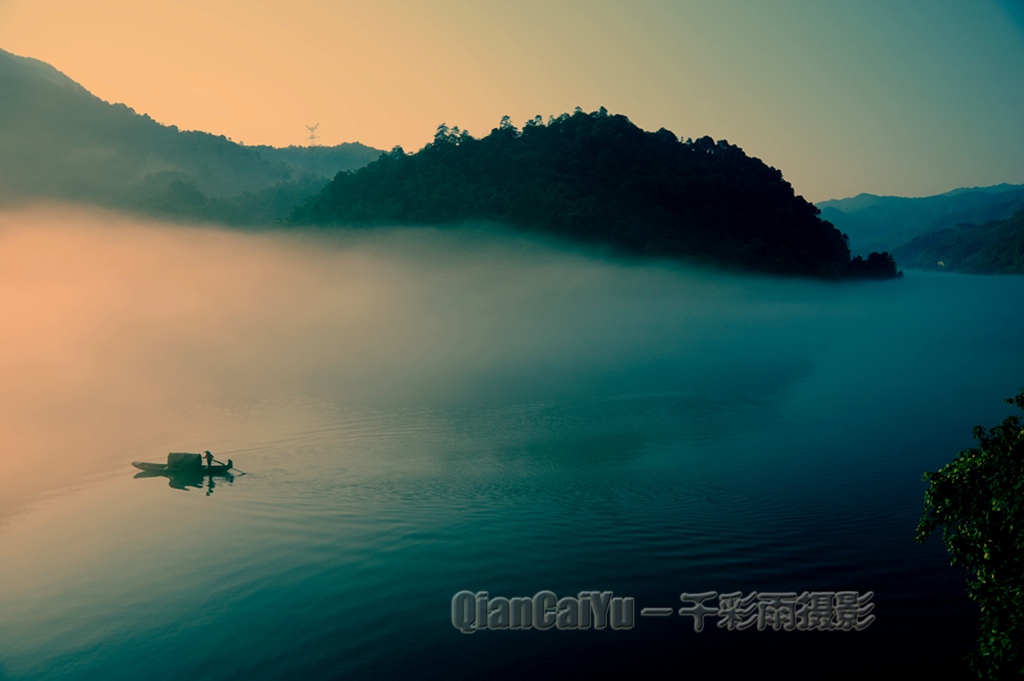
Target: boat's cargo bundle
<point>183,461</point>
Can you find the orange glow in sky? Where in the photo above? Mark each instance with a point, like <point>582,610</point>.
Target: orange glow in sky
<point>891,98</point>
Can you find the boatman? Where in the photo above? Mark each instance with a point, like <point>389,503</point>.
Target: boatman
<point>209,458</point>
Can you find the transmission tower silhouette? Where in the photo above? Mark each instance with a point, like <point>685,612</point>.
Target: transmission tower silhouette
<point>312,145</point>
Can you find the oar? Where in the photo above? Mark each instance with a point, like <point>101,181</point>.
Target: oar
<point>224,464</point>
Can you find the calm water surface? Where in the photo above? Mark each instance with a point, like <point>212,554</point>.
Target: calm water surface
<point>418,416</point>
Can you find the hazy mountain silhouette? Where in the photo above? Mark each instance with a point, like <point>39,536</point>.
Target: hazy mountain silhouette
<point>322,161</point>
<point>885,222</point>
<point>26,67</point>
<point>58,141</point>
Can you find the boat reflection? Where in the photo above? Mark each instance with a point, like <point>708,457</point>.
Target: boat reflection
<point>194,479</point>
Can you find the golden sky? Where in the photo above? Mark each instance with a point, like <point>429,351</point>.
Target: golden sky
<point>909,98</point>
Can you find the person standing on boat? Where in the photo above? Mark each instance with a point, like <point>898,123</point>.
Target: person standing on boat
<point>209,458</point>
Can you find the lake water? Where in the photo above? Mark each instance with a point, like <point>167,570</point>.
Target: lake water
<point>420,413</point>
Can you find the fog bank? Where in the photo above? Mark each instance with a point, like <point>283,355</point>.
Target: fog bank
<point>121,330</point>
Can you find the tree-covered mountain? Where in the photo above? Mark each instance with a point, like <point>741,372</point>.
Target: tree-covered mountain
<point>58,141</point>
<point>598,178</point>
<point>884,222</point>
<point>995,247</point>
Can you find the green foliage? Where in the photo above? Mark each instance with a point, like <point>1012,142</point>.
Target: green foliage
<point>978,500</point>
<point>600,179</point>
<point>996,247</point>
<point>877,266</point>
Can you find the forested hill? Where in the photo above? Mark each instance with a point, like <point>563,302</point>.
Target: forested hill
<point>995,247</point>
<point>600,179</point>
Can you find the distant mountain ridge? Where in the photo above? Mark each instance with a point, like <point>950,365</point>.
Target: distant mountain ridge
<point>886,222</point>
<point>58,141</point>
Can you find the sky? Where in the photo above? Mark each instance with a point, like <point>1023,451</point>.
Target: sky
<point>907,97</point>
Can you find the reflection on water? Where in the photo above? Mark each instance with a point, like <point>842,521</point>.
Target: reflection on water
<point>183,480</point>
<point>421,414</point>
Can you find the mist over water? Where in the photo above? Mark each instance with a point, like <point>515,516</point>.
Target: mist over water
<point>424,411</point>
<point>119,326</point>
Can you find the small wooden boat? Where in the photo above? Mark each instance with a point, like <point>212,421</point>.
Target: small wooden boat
<point>183,463</point>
